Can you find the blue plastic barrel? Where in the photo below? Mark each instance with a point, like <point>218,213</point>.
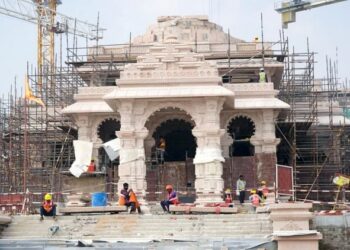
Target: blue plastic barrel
<point>99,199</point>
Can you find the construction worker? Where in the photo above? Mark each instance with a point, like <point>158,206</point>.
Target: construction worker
<point>92,166</point>
<point>262,75</point>
<point>48,208</point>
<point>228,197</point>
<point>263,190</point>
<point>128,198</point>
<point>255,199</point>
<point>241,184</point>
<point>161,150</point>
<point>171,198</point>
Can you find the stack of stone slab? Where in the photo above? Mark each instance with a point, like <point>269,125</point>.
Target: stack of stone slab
<point>76,200</point>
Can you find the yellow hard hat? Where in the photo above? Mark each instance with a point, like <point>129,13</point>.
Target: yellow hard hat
<point>228,191</point>
<point>253,191</point>
<point>48,197</point>
<point>263,182</point>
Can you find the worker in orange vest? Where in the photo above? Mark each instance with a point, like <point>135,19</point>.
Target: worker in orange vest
<point>255,199</point>
<point>263,191</point>
<point>128,198</point>
<point>171,198</point>
<point>92,166</point>
<point>48,208</point>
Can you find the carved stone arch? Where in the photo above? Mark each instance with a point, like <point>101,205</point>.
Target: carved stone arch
<point>110,123</point>
<point>251,117</point>
<point>97,123</point>
<point>154,125</point>
<point>251,124</point>
<point>241,128</point>
<point>175,105</point>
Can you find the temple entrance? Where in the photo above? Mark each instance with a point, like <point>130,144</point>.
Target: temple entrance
<point>241,152</point>
<point>177,168</point>
<point>241,129</point>
<point>106,132</point>
<point>179,141</point>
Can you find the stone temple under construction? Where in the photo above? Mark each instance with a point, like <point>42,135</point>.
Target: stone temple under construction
<point>186,95</point>
<point>187,82</point>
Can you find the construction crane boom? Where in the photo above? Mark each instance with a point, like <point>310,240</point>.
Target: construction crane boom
<point>288,9</point>
<point>28,11</point>
<point>49,22</point>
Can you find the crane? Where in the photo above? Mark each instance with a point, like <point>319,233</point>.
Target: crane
<point>288,9</point>
<point>49,22</point>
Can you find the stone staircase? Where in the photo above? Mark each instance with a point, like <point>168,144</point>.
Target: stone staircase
<point>140,228</point>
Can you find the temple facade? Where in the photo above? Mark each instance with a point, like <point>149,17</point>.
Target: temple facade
<point>194,85</point>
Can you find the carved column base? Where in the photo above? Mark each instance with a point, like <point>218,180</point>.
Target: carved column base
<point>132,168</point>
<point>209,183</point>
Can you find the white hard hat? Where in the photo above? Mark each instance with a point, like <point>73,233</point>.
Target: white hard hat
<point>261,69</point>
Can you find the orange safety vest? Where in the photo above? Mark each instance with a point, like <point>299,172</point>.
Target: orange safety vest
<point>48,206</point>
<point>133,198</point>
<point>228,198</point>
<point>121,200</point>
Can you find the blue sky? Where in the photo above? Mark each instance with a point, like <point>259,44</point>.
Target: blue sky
<point>326,27</point>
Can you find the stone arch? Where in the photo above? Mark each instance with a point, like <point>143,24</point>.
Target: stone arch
<point>160,117</point>
<point>251,117</point>
<point>106,129</point>
<point>180,142</point>
<point>241,129</point>
<point>152,127</point>
<point>172,105</point>
<point>96,124</point>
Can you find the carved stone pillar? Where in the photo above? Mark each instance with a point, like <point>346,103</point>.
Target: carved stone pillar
<point>84,130</point>
<point>132,167</point>
<point>226,141</point>
<point>265,144</point>
<point>208,160</point>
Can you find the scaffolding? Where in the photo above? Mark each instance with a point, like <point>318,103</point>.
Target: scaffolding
<point>36,142</point>
<point>314,132</point>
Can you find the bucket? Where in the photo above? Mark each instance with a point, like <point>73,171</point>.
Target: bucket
<point>99,199</point>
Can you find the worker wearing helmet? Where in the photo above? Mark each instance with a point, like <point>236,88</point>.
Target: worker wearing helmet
<point>254,198</point>
<point>48,208</point>
<point>171,198</point>
<point>228,197</point>
<point>262,75</point>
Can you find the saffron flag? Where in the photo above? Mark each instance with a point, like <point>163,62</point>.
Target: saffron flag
<point>28,94</point>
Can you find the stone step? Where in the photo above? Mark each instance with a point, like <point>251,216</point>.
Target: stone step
<point>140,226</point>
